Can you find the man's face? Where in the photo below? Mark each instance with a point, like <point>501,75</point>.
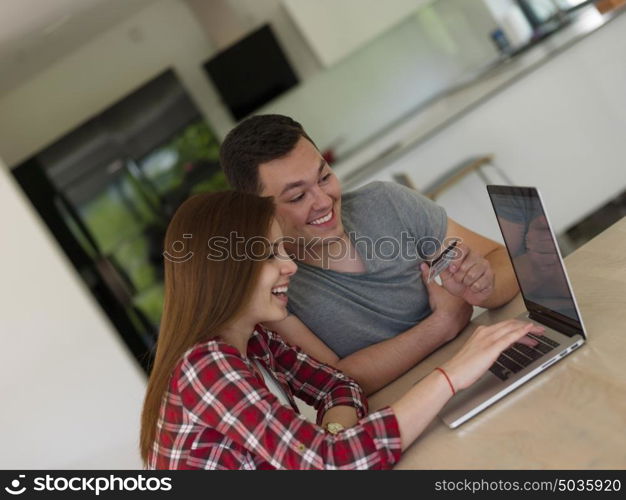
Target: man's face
<point>306,192</point>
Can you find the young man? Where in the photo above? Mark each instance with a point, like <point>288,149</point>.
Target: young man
<point>357,305</point>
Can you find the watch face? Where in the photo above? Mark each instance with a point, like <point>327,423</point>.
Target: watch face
<point>334,427</point>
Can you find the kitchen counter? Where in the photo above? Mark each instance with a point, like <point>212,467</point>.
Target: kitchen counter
<point>466,94</point>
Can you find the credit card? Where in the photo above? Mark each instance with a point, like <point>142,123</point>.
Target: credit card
<point>441,263</point>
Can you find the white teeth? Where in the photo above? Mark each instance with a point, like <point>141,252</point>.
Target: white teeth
<point>280,289</point>
<point>321,220</point>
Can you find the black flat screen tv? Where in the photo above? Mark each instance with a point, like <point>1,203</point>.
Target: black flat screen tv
<point>251,72</point>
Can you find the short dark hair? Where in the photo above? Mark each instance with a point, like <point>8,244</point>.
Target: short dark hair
<point>257,140</point>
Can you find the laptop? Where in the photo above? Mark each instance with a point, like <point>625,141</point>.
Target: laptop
<point>547,294</point>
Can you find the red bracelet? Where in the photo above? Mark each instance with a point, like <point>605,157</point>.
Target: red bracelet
<point>447,378</point>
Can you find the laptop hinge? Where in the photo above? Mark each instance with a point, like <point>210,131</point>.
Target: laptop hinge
<point>554,324</point>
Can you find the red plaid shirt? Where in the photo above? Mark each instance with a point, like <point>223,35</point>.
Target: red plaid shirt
<point>218,414</point>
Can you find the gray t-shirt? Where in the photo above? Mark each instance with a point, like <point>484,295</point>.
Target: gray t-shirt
<point>393,229</point>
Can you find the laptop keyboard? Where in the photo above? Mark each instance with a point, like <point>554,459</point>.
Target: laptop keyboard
<point>519,356</point>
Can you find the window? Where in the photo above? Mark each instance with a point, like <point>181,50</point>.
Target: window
<point>108,189</point>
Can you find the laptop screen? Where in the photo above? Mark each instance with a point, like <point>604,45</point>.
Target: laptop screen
<point>532,249</point>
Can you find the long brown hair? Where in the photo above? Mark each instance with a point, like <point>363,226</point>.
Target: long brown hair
<point>206,287</point>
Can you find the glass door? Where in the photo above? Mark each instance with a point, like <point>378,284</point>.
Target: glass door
<point>108,189</point>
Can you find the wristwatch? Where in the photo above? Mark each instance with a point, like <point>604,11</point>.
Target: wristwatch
<point>334,427</point>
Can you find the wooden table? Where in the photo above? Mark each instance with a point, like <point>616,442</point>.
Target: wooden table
<point>573,416</point>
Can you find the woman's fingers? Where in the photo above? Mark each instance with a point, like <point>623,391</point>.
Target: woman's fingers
<point>499,329</point>
<point>506,333</point>
<point>518,334</point>
<point>486,343</point>
<point>526,340</point>
<point>508,326</point>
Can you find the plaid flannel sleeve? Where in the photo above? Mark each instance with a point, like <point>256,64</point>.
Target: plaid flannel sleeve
<point>317,384</point>
<point>218,390</point>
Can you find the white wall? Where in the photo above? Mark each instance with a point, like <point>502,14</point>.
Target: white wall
<point>94,76</point>
<point>341,35</point>
<point>226,21</point>
<point>560,127</point>
<point>71,393</point>
<point>390,76</point>
<point>353,99</point>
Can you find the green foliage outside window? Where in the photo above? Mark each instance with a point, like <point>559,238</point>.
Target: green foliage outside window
<point>122,217</point>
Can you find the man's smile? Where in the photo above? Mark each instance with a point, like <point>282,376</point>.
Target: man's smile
<point>324,220</point>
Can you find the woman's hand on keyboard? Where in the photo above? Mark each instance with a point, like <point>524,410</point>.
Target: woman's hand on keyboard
<point>484,347</point>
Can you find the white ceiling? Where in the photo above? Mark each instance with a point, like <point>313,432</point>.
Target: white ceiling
<point>35,33</point>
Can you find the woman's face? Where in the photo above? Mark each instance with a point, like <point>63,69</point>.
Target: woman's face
<point>269,300</point>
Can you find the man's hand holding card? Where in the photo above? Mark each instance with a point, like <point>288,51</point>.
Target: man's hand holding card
<point>465,273</point>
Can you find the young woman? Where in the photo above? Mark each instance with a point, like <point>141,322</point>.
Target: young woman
<point>221,391</point>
